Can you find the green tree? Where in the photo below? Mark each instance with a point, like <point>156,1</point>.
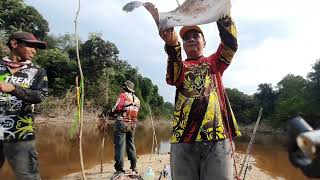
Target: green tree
<point>146,88</point>
<point>314,94</point>
<point>314,77</point>
<point>60,70</point>
<point>291,99</point>
<point>104,72</point>
<point>156,101</point>
<point>63,42</point>
<point>266,97</point>
<point>15,15</point>
<point>97,55</point>
<point>243,105</point>
<point>168,110</point>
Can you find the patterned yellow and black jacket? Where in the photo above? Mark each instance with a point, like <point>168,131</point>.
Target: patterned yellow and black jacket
<point>16,114</point>
<point>201,111</point>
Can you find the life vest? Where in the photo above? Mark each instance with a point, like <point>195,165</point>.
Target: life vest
<point>131,108</point>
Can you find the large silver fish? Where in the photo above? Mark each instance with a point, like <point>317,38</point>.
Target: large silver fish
<point>191,12</point>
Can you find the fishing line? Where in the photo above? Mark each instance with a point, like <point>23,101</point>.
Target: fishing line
<point>251,142</point>
<point>154,137</point>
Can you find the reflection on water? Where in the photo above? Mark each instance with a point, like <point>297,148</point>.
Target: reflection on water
<point>271,156</point>
<point>59,155</point>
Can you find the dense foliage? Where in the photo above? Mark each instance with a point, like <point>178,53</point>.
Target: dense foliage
<point>16,15</point>
<point>105,74</point>
<point>293,96</point>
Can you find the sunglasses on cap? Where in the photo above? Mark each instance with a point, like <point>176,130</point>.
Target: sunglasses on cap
<point>27,44</point>
<point>194,35</point>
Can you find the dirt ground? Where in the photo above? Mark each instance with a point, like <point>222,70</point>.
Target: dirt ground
<point>157,163</point>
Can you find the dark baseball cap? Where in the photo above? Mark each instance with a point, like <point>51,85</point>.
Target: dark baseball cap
<point>27,37</point>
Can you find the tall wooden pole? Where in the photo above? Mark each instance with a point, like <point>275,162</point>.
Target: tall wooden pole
<point>81,91</point>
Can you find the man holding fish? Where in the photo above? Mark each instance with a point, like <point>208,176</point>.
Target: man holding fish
<point>203,124</point>
<point>203,119</point>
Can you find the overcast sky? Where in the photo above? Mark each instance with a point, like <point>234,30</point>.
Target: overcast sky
<point>275,37</point>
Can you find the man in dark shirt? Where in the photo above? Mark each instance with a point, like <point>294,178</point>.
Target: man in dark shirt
<point>22,84</point>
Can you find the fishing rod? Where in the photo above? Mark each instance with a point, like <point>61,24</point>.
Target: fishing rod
<point>247,156</point>
<point>178,3</point>
<point>247,167</point>
<point>154,147</point>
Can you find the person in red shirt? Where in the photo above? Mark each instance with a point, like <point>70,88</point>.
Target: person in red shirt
<point>127,109</point>
<point>203,120</point>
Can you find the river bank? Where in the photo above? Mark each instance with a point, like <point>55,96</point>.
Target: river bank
<point>157,163</point>
<point>59,153</point>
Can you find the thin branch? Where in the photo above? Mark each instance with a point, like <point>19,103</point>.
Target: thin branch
<point>102,151</point>
<point>81,91</point>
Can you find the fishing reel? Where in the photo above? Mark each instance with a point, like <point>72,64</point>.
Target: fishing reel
<point>107,114</point>
<point>304,147</point>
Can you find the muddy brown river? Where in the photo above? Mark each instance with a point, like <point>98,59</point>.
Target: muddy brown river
<point>59,154</point>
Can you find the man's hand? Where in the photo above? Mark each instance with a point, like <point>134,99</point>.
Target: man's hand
<point>7,87</point>
<point>169,36</point>
<point>112,113</point>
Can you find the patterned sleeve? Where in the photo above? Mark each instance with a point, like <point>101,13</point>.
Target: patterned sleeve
<point>37,91</point>
<point>174,64</point>
<point>229,44</point>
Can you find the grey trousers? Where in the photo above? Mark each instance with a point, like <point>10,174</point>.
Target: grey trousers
<point>201,161</point>
<point>22,157</point>
<point>124,139</point>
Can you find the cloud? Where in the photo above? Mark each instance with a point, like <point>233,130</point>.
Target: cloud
<point>275,37</point>
<point>272,60</point>
<point>283,10</point>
